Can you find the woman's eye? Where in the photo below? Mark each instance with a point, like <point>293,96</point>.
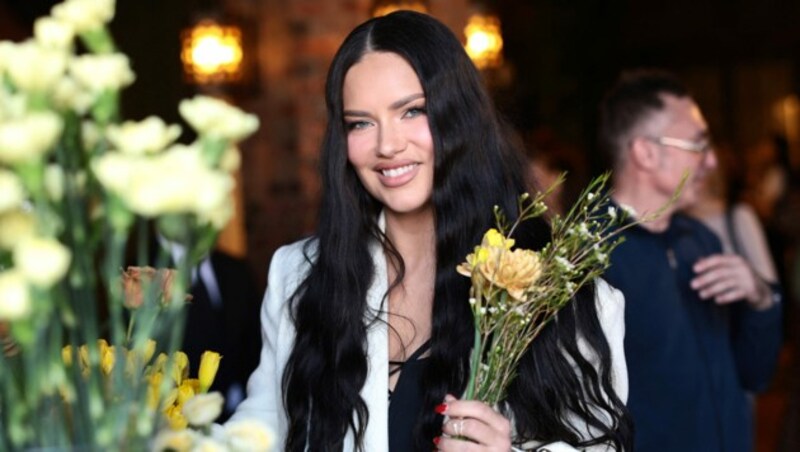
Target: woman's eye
<point>413,112</point>
<point>356,125</point>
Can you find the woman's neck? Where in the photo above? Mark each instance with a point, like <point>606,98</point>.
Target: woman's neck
<point>413,235</point>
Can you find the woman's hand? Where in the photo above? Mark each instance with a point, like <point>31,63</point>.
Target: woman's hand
<point>472,426</point>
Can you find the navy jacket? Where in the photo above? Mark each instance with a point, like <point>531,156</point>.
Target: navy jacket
<point>690,361</point>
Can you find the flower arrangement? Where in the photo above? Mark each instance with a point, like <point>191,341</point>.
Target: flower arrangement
<point>516,292</point>
<point>78,188</point>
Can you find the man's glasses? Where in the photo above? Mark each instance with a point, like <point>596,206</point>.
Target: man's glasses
<point>697,147</point>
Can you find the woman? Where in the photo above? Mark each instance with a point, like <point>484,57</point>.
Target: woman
<point>413,160</point>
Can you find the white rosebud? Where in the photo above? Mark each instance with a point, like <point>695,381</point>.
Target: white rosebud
<point>12,193</point>
<point>91,134</point>
<point>202,409</point>
<point>217,119</point>
<point>16,226</point>
<point>209,445</point>
<point>42,260</point>
<point>218,216</point>
<point>174,440</point>
<point>84,15</point>
<point>15,301</point>
<point>249,435</point>
<point>28,138</point>
<point>102,72</point>
<point>69,95</point>
<point>53,33</point>
<point>149,136</point>
<point>33,68</point>
<point>54,182</point>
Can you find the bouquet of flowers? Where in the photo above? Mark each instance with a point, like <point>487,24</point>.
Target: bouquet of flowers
<point>516,292</point>
<point>77,184</point>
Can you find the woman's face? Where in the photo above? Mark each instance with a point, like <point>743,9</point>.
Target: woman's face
<point>388,139</point>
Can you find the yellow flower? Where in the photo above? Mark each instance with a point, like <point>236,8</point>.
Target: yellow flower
<point>497,265</point>
<point>176,418</point>
<point>180,366</point>
<point>66,355</point>
<point>15,301</point>
<point>249,435</point>
<point>153,389</point>
<point>184,393</point>
<point>202,409</point>
<point>209,364</point>
<point>43,260</point>
<point>107,359</point>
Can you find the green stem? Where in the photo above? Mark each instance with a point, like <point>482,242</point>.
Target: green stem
<point>474,362</point>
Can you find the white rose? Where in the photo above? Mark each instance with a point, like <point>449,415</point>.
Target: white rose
<point>202,409</point>
<point>69,95</point>
<point>16,226</point>
<point>28,138</point>
<point>149,136</point>
<point>249,435</point>
<point>84,15</point>
<point>53,33</point>
<point>209,445</point>
<point>32,67</point>
<point>12,193</point>
<point>114,171</point>
<point>102,72</point>
<point>15,301</point>
<point>42,260</point>
<point>174,440</point>
<point>215,118</point>
<point>217,216</point>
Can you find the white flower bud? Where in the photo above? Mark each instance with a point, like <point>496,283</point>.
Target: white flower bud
<point>249,435</point>
<point>42,260</point>
<point>84,15</point>
<point>69,95</point>
<point>149,136</point>
<point>54,182</point>
<point>12,193</point>
<point>102,72</point>
<point>114,171</point>
<point>217,119</point>
<point>15,301</point>
<point>53,33</point>
<point>33,68</point>
<point>15,227</point>
<point>28,138</point>
<point>202,409</point>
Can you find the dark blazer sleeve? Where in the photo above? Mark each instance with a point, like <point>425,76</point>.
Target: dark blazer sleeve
<point>757,337</point>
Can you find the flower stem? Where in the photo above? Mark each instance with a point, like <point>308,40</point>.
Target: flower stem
<point>474,361</point>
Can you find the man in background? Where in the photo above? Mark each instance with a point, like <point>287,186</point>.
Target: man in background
<point>702,327</point>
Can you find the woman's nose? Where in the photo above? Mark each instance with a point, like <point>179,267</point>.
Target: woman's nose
<point>390,140</point>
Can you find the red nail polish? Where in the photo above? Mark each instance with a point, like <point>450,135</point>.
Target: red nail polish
<point>441,408</point>
<point>436,441</point>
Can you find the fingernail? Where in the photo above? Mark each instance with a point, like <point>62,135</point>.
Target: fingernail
<point>441,408</point>
<point>436,441</point>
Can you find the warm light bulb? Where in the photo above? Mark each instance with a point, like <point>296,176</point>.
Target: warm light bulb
<point>212,52</point>
<point>484,41</point>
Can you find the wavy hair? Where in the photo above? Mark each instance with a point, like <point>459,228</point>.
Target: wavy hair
<point>477,166</point>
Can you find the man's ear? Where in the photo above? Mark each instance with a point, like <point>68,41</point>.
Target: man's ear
<point>644,153</point>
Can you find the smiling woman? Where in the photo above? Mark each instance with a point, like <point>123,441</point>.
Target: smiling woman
<point>414,159</point>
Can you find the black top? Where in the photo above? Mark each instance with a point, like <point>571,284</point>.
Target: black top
<point>405,403</point>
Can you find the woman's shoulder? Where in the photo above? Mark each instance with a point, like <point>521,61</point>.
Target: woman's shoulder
<point>293,259</point>
<point>610,306</point>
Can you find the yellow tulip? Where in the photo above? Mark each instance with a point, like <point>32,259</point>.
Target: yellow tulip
<point>209,364</point>
<point>180,366</point>
<point>184,392</point>
<point>175,418</point>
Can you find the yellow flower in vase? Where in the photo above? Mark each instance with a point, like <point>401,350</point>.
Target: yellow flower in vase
<point>209,364</point>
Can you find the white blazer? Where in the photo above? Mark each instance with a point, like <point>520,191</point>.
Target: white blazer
<point>288,269</point>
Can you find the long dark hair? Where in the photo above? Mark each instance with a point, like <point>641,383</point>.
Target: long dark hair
<point>477,166</point>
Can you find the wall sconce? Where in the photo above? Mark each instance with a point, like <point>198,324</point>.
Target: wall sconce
<point>212,53</point>
<point>384,7</point>
<point>484,40</point>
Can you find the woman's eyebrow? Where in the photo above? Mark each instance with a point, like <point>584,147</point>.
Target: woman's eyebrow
<point>394,105</point>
